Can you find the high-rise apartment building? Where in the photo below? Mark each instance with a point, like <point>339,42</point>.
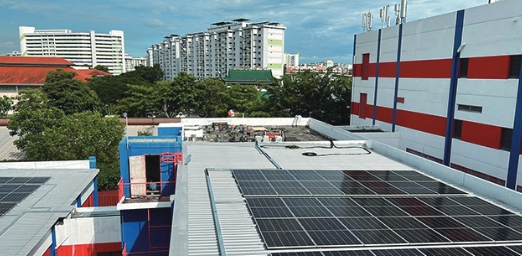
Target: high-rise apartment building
<point>292,60</point>
<point>83,48</point>
<point>225,45</point>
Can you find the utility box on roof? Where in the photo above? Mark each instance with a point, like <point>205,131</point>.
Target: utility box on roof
<point>170,129</point>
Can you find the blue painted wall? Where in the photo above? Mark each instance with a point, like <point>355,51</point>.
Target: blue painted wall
<point>143,237</point>
<point>169,131</point>
<point>148,145</point>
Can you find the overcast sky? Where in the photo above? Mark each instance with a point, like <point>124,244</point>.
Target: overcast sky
<point>317,29</point>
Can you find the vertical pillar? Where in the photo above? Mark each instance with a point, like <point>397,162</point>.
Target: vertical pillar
<point>397,76</point>
<point>514,152</point>
<point>92,165</point>
<point>53,242</point>
<point>452,98</point>
<point>377,77</point>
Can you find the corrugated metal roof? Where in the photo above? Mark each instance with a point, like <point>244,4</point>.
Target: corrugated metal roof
<point>30,221</point>
<point>8,150</point>
<point>238,232</point>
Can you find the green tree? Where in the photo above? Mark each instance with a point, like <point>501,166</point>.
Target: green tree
<point>68,94</point>
<point>151,74</point>
<point>46,133</point>
<point>212,97</point>
<point>111,89</point>
<point>102,68</point>
<point>6,105</point>
<point>184,92</point>
<point>140,101</point>
<point>244,99</point>
<point>320,95</point>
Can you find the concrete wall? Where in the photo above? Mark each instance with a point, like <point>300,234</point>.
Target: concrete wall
<point>490,35</point>
<point>88,236</point>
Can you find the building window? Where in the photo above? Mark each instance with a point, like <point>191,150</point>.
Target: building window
<point>463,67</point>
<point>514,66</point>
<point>469,108</point>
<point>457,129</point>
<point>505,140</point>
<point>365,69</point>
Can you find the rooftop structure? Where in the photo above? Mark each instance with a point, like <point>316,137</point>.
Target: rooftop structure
<point>449,91</point>
<point>248,77</point>
<point>19,73</point>
<point>35,196</point>
<point>81,48</point>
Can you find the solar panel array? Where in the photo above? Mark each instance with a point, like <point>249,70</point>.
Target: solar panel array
<point>15,189</point>
<point>306,210</point>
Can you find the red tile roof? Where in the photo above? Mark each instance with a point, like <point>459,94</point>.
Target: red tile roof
<point>83,74</point>
<point>18,70</point>
<point>36,75</point>
<point>36,60</point>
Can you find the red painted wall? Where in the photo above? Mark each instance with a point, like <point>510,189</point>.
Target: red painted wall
<point>108,197</point>
<point>88,249</point>
<point>496,67</point>
<point>481,134</point>
<point>89,202</point>
<point>476,133</point>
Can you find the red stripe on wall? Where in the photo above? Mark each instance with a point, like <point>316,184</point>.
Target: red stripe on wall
<point>88,249</point>
<point>476,133</point>
<point>481,134</point>
<point>357,70</point>
<point>48,252</point>
<point>496,67</point>
<point>422,122</point>
<point>354,106</point>
<point>426,68</point>
<point>387,69</point>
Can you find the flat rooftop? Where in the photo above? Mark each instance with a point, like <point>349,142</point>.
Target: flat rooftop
<point>341,197</point>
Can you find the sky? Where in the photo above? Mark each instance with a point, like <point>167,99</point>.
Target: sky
<point>316,29</point>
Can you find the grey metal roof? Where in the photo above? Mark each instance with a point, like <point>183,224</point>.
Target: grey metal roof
<point>227,215</point>
<point>238,231</point>
<point>8,150</point>
<point>30,222</point>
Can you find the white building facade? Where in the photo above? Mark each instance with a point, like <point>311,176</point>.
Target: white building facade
<point>225,45</point>
<point>292,60</point>
<point>81,48</point>
<point>450,85</point>
<point>132,62</point>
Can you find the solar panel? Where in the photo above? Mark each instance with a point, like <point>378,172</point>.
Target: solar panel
<point>13,190</point>
<point>311,210</point>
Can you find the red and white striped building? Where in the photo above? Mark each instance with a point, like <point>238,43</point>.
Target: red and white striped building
<point>450,85</point>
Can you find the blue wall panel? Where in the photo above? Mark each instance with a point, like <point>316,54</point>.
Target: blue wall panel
<point>145,145</point>
<point>135,230</point>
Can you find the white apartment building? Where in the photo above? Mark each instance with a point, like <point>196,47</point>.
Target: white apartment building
<point>292,60</point>
<point>132,62</point>
<point>83,48</point>
<point>224,46</point>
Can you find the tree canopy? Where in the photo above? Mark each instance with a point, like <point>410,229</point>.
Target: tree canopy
<point>50,128</point>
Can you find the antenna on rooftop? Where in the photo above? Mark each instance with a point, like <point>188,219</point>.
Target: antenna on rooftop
<point>367,21</point>
<point>385,18</point>
<point>400,12</point>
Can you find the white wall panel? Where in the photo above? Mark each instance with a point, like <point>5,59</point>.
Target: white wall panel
<point>496,97</point>
<point>426,143</point>
<point>483,159</point>
<point>429,96</point>
<point>494,29</point>
<point>430,38</point>
<point>389,44</point>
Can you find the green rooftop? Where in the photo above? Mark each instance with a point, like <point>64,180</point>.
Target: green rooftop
<point>253,77</point>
